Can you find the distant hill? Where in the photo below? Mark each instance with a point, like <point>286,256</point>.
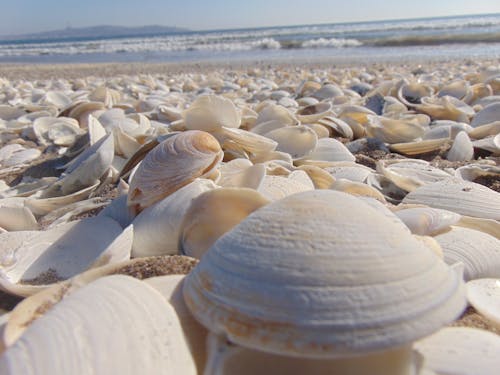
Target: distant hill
<point>103,31</point>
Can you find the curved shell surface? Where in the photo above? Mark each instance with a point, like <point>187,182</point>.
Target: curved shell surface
<point>461,350</point>
<point>211,112</point>
<point>172,164</point>
<point>95,318</point>
<point>295,278</point>
<point>484,296</point>
<point>460,196</point>
<point>479,252</point>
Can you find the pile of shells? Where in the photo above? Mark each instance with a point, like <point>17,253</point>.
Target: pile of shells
<point>342,218</point>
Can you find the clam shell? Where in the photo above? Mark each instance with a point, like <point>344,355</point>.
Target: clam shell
<point>357,189</point>
<point>298,141</point>
<point>241,173</point>
<point>277,187</point>
<point>32,260</point>
<point>88,319</point>
<point>88,167</point>
<point>157,228</point>
<point>211,112</point>
<point>412,93</point>
<point>247,141</point>
<point>214,213</point>
<point>14,215</point>
<point>483,295</point>
<point>170,287</point>
<point>273,112</point>
<point>337,127</point>
<point>393,130</point>
<point>462,149</point>
<point>174,163</point>
<point>327,150</point>
<point>313,113</point>
<point>461,350</point>
<point>410,174</point>
<point>426,221</point>
<point>274,282</point>
<point>460,196</point>
<point>419,147</point>
<point>487,115</point>
<point>478,251</point>
<point>492,227</point>
<point>446,108</point>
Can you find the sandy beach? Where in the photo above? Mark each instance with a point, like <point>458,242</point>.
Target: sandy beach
<point>389,113</point>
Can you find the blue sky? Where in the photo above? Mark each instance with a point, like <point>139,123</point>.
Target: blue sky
<point>27,16</point>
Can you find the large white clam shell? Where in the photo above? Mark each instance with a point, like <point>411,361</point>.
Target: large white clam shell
<point>461,350</point>
<point>29,261</point>
<point>277,187</point>
<point>14,215</point>
<point>327,150</point>
<point>487,115</point>
<point>241,173</point>
<point>393,130</point>
<point>174,163</point>
<point>296,278</point>
<point>478,251</point>
<point>115,324</point>
<point>157,228</point>
<point>460,196</point>
<point>211,112</point>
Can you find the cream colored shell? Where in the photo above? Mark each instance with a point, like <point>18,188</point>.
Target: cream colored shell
<point>296,278</point>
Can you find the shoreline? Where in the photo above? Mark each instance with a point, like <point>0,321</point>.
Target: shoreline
<point>30,71</point>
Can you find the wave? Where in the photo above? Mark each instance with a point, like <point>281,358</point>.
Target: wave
<point>432,40</point>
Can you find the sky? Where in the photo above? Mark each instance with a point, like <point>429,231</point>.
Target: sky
<point>31,16</point>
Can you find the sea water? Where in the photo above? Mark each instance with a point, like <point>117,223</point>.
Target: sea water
<point>449,37</point>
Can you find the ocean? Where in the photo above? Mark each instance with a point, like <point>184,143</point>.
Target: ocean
<point>431,38</point>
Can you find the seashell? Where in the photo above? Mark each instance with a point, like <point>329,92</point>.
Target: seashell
<point>446,108</point>
<point>484,131</point>
<point>437,132</point>
<point>461,350</point>
<point>87,168</point>
<point>25,189</point>
<point>315,112</point>
<point>307,100</point>
<point>420,147</point>
<point>170,287</point>
<point>350,171</point>
<point>158,227</point>
<point>320,178</point>
<point>32,260</point>
<point>21,157</point>
<point>107,96</point>
<point>88,318</point>
<point>477,92</point>
<point>487,115</point>
<point>320,130</point>
<point>491,144</point>
<point>56,98</point>
<point>174,163</point>
<point>272,156</point>
<point>458,89</point>
<point>42,205</point>
<point>8,112</point>
<point>247,141</point>
<point>410,174</point>
<point>277,187</point>
<point>298,141</point>
<point>61,131</point>
<point>273,112</point>
<point>211,112</point>
<point>483,295</point>
<point>327,149</point>
<point>478,251</point>
<point>67,213</point>
<point>307,87</point>
<point>241,173</point>
<point>15,216</point>
<point>214,213</point>
<point>357,189</point>
<point>328,91</point>
<point>411,94</point>
<point>238,290</point>
<point>426,221</point>
<point>492,227</point>
<point>462,149</point>
<point>7,151</point>
<point>391,130</point>
<point>356,117</point>
<point>337,127</point>
<point>460,196</point>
